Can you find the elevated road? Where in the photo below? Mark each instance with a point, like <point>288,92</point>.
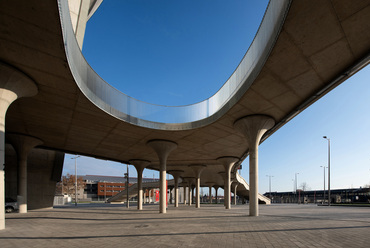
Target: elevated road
<point>310,48</point>
<point>320,45</point>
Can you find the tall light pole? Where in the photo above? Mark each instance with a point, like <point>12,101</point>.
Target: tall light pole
<point>324,182</point>
<point>328,168</point>
<point>296,181</point>
<point>105,191</point>
<point>127,184</point>
<point>270,184</point>
<point>75,158</point>
<point>296,184</point>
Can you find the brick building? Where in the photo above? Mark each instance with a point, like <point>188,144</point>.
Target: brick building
<point>99,188</point>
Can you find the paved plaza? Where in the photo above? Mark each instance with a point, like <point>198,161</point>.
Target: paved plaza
<point>106,225</point>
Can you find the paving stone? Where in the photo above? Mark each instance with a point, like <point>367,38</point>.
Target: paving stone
<point>101,225</point>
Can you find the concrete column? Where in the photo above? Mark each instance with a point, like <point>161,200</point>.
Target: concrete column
<point>176,175</point>
<point>253,128</point>
<point>192,192</point>
<point>183,184</point>
<point>140,165</point>
<point>170,196</point>
<point>197,171</point>
<point>189,181</point>
<point>235,188</point>
<point>223,175</point>
<point>210,185</point>
<point>13,85</point>
<point>163,149</point>
<point>216,194</point>
<point>228,163</point>
<point>22,144</point>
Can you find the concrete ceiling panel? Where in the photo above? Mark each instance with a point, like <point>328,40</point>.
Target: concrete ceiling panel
<point>314,32</point>
<point>253,100</point>
<point>288,60</point>
<point>238,111</point>
<point>346,9</point>
<point>284,104</point>
<point>268,86</point>
<point>305,84</point>
<point>337,61</point>
<point>357,31</point>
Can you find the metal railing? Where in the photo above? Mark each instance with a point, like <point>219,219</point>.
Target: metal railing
<point>162,117</point>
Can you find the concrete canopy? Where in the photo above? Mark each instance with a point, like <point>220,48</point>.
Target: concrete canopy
<point>320,45</point>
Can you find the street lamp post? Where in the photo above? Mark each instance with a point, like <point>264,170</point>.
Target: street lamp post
<point>127,184</point>
<point>296,184</point>
<point>324,182</point>
<point>75,158</point>
<point>328,168</point>
<point>105,191</point>
<point>270,184</point>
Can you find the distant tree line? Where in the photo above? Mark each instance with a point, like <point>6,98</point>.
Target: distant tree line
<point>66,186</point>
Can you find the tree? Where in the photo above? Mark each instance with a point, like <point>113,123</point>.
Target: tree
<point>304,186</point>
<point>66,186</point>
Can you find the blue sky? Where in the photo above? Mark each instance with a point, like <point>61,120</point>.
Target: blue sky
<point>181,52</point>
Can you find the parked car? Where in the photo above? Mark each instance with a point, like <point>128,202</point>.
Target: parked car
<point>11,205</point>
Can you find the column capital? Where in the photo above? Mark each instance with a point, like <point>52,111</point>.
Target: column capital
<point>222,174</point>
<point>176,173</point>
<point>197,168</point>
<point>140,164</point>
<point>188,180</point>
<point>210,184</point>
<point>16,81</point>
<point>253,127</point>
<point>162,147</point>
<point>228,162</point>
<point>23,144</point>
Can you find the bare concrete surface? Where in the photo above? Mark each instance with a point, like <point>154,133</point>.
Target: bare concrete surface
<point>208,226</point>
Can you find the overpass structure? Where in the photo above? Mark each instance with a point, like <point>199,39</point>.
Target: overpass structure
<point>302,50</point>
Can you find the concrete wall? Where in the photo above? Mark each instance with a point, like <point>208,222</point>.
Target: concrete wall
<point>44,170</point>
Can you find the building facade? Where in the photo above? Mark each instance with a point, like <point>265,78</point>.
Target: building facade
<point>354,195</point>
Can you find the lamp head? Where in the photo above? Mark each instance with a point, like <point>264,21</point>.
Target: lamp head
<point>325,137</point>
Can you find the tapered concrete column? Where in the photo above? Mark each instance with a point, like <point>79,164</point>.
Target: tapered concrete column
<point>163,149</point>
<point>228,163</point>
<point>14,84</point>
<point>170,196</point>
<point>197,171</point>
<point>216,194</point>
<point>235,188</point>
<point>140,165</point>
<point>189,181</point>
<point>223,175</point>
<point>253,127</point>
<point>176,175</point>
<point>210,185</point>
<point>183,184</point>
<point>192,192</point>
<point>22,144</point>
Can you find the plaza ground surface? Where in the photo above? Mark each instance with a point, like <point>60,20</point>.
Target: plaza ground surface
<point>103,225</point>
